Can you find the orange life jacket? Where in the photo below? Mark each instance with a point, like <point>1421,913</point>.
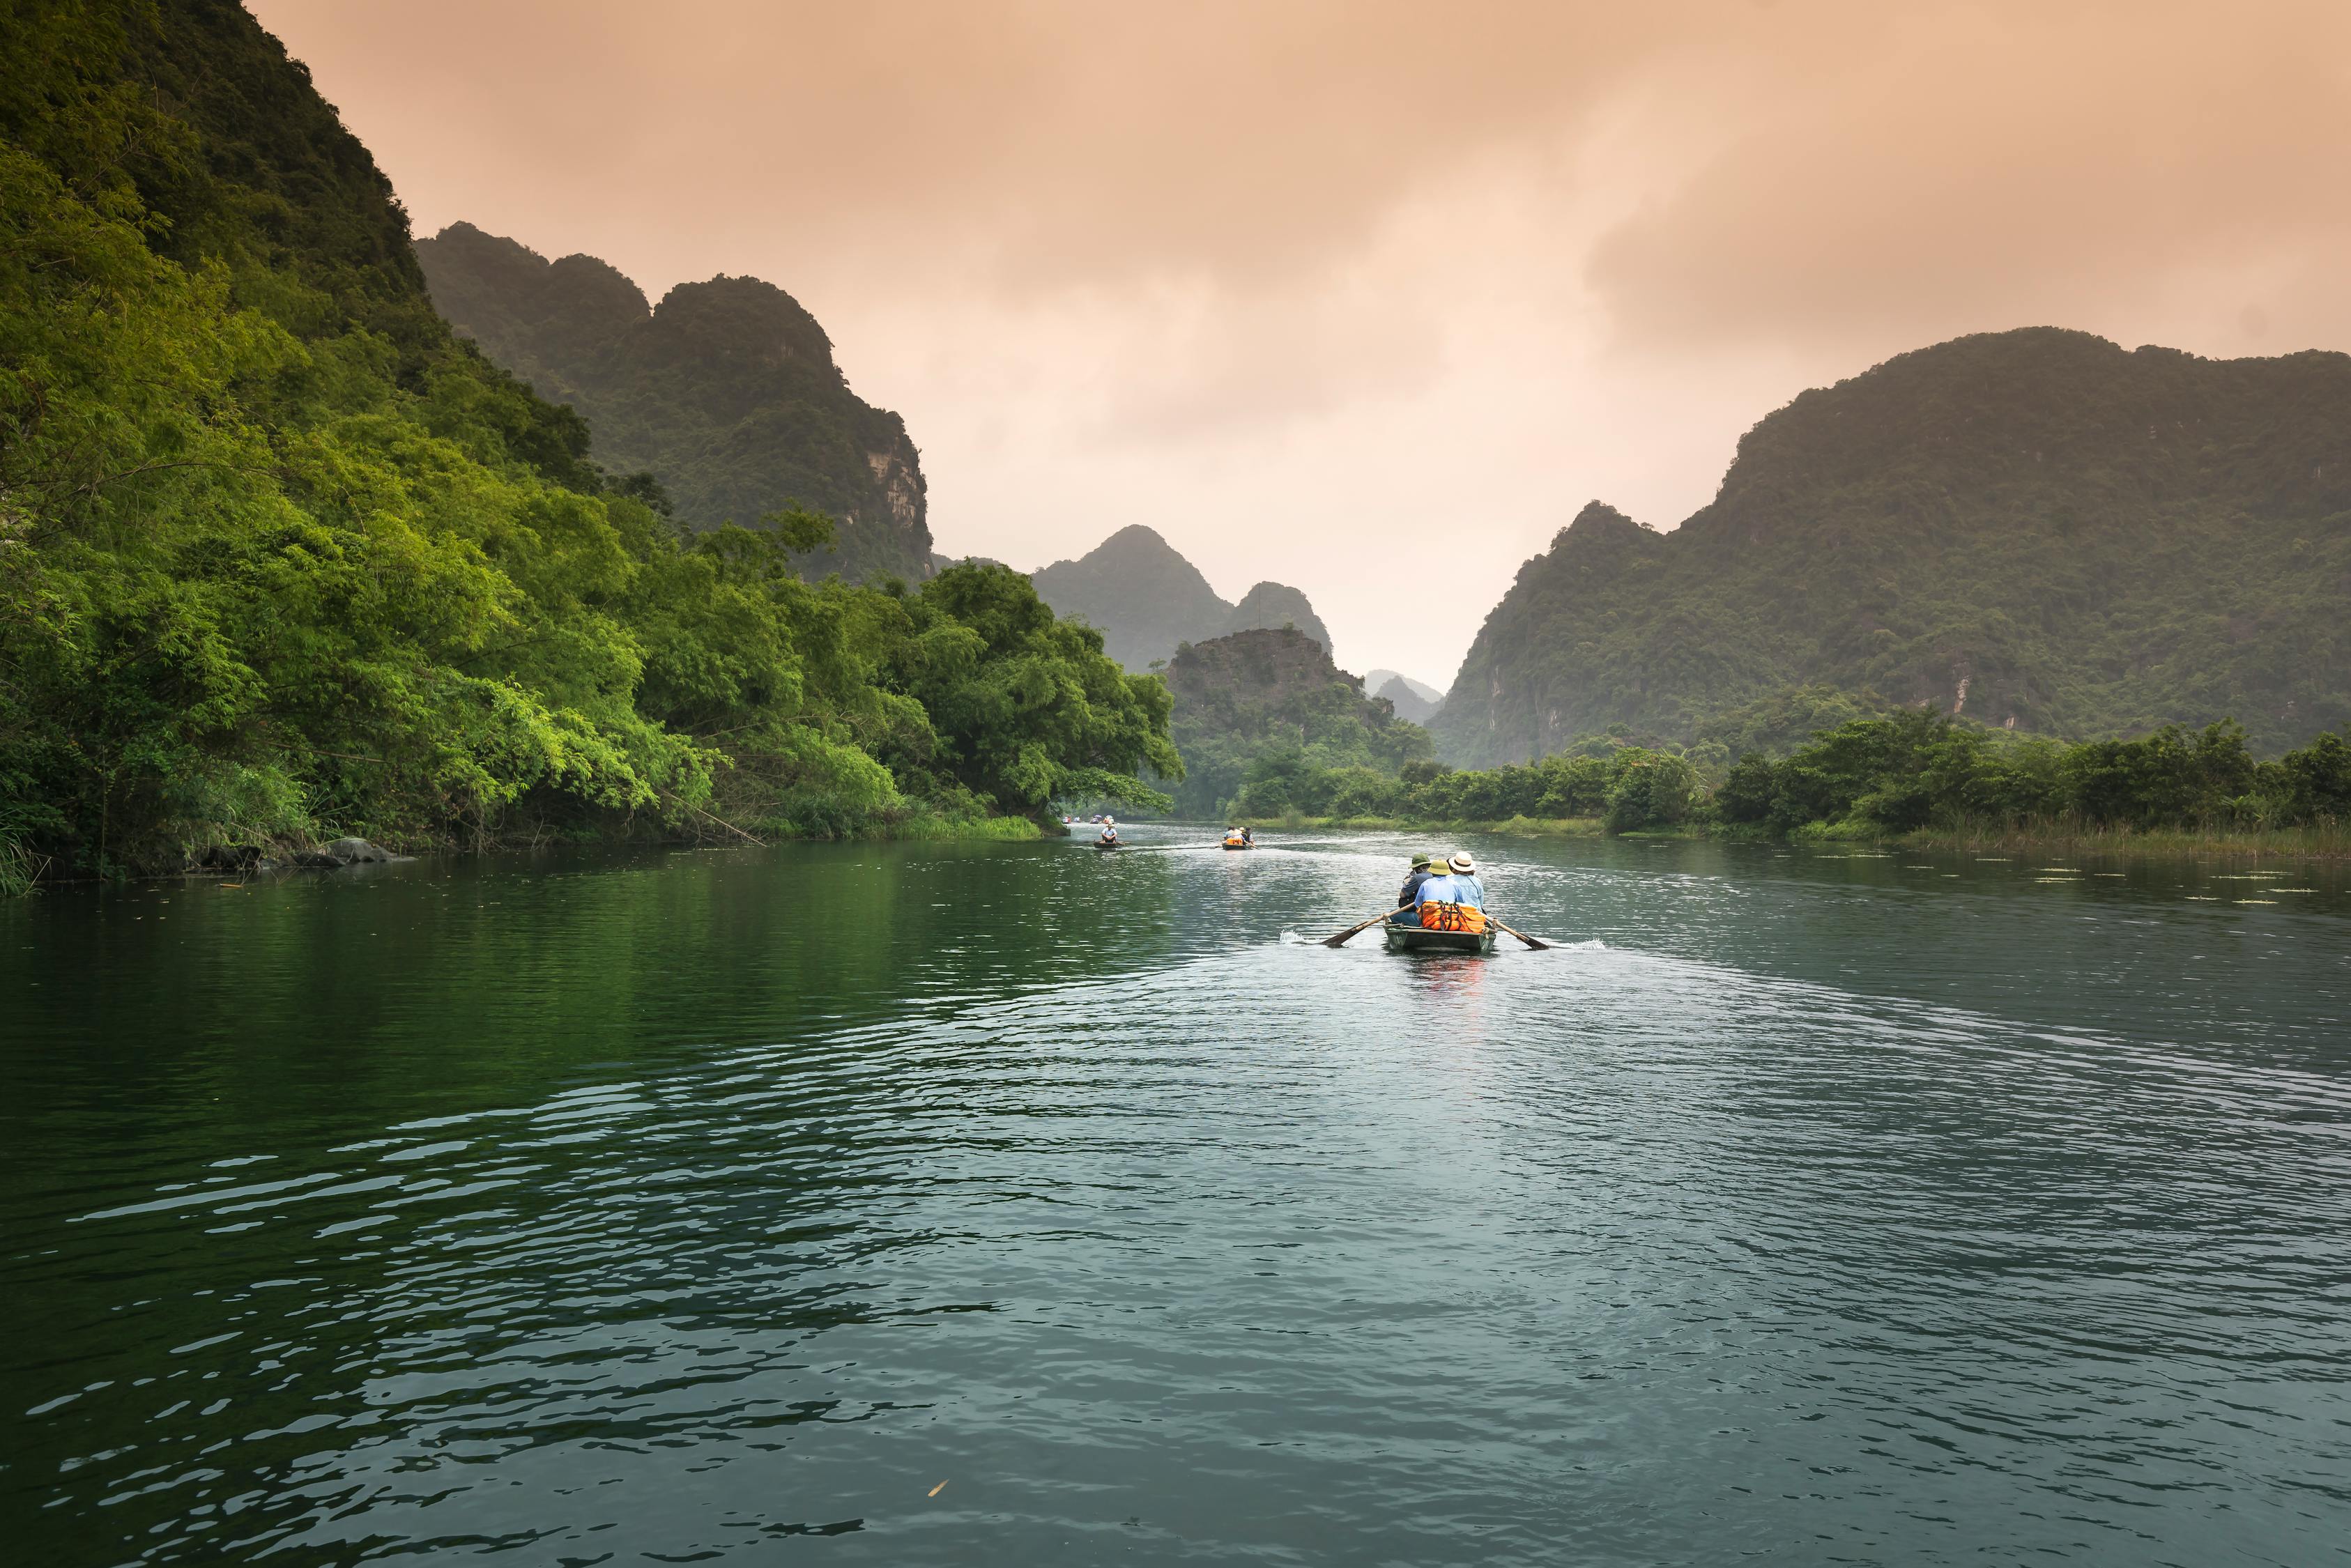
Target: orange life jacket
<point>1452,917</point>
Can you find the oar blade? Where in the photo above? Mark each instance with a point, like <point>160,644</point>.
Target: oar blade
<point>1341,939</point>
<point>1531,942</point>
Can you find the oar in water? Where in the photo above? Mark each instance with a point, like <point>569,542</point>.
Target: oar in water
<point>1538,946</point>
<point>1341,939</point>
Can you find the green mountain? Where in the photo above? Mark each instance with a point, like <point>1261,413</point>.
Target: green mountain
<point>1268,701</point>
<point>2036,530</point>
<point>1146,599</point>
<point>726,393</point>
<point>282,558</point>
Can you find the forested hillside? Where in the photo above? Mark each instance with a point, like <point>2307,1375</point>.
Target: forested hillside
<point>726,393</point>
<point>1265,703</point>
<point>281,557</point>
<point>1146,598</point>
<point>2034,528</point>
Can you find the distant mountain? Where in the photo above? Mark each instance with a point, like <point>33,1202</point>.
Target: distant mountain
<point>1376,680</point>
<point>1414,700</point>
<point>1273,692</point>
<point>726,393</point>
<point>2035,529</point>
<point>1145,599</point>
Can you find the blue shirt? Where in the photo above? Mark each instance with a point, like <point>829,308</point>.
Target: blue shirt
<point>1452,888</point>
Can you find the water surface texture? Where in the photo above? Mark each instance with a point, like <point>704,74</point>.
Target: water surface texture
<point>1797,1208</point>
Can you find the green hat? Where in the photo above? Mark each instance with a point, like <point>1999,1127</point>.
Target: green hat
<point>1419,860</point>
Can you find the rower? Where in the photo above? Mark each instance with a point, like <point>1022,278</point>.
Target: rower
<point>1408,895</point>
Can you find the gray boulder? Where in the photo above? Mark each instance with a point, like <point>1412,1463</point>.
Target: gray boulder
<point>355,852</point>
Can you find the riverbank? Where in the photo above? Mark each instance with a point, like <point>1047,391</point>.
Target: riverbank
<point>2326,844</point>
<point>2331,842</point>
<point>22,872</point>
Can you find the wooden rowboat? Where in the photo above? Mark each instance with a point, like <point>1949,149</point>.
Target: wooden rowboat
<point>1419,939</point>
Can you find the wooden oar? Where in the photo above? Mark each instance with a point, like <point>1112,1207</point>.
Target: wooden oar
<point>1341,939</point>
<point>1538,946</point>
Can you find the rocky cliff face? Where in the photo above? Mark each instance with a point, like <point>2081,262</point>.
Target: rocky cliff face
<point>726,391</point>
<point>2035,529</point>
<point>1146,599</point>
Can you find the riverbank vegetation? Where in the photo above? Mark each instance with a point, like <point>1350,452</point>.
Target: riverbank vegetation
<point>1923,777</point>
<point>282,558</point>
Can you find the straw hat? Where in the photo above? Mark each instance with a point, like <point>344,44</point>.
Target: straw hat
<point>1466,863</point>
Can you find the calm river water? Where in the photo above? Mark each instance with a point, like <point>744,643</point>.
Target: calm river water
<point>1795,1209</point>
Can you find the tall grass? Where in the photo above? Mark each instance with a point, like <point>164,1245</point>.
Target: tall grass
<point>926,825</point>
<point>2327,840</point>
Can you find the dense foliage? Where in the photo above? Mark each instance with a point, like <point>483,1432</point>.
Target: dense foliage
<point>1148,599</point>
<point>1631,787</point>
<point>1917,770</point>
<point>727,392</point>
<point>2033,527</point>
<point>1907,770</point>
<point>281,557</point>
<point>1256,711</point>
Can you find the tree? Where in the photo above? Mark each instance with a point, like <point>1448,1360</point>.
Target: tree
<point>1028,708</point>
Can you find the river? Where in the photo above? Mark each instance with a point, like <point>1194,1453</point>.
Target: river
<point>936,1203</point>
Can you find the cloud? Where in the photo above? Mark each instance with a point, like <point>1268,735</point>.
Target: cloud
<point>1986,167</point>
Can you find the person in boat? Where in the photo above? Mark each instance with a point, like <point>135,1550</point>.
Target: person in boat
<point>1235,838</point>
<point>1408,895</point>
<point>1248,837</point>
<point>1109,832</point>
<point>1453,880</point>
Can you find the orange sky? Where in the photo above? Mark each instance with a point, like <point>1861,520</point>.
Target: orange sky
<point>1365,297</point>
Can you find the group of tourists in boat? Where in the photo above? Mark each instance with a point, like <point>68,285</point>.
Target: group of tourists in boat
<point>1240,839</point>
<point>1442,905</point>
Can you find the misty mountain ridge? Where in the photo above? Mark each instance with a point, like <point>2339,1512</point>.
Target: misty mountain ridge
<point>2034,528</point>
<point>1415,701</point>
<point>1145,599</point>
<point>726,391</point>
